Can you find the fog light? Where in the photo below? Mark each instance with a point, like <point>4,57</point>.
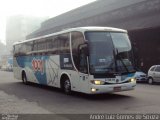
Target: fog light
<point>93,90</point>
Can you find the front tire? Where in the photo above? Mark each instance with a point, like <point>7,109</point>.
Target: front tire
<point>150,81</point>
<point>24,79</point>
<point>67,86</point>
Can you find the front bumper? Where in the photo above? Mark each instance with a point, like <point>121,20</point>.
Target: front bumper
<point>144,79</point>
<point>111,88</point>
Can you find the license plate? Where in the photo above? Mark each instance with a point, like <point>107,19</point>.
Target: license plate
<point>111,79</point>
<point>116,89</point>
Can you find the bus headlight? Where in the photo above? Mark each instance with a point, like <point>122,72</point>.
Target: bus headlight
<point>132,80</point>
<point>97,82</point>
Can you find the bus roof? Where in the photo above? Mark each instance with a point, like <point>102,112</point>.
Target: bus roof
<point>80,29</point>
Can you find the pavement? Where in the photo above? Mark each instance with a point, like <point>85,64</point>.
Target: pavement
<point>17,98</point>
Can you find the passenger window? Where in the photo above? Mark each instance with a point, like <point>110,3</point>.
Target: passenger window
<point>17,50</point>
<point>34,46</point>
<point>41,44</point>
<point>64,43</point>
<point>157,69</point>
<point>49,43</point>
<point>56,45</point>
<point>29,46</point>
<point>152,69</point>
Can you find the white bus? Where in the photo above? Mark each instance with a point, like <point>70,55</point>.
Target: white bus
<point>91,60</point>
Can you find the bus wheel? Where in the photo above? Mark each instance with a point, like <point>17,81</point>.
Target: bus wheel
<point>67,86</point>
<point>24,78</point>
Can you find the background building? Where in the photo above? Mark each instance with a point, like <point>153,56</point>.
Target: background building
<point>2,53</point>
<point>17,27</point>
<point>2,49</point>
<point>140,17</point>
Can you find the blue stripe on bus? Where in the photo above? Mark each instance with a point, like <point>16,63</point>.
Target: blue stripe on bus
<point>26,61</point>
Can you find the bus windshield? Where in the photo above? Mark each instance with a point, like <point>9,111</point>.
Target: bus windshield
<point>110,52</point>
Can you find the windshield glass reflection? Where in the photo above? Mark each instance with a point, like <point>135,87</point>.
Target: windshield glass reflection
<point>109,52</point>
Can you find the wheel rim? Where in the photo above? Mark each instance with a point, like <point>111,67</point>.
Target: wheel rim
<point>67,86</point>
<point>150,81</point>
<point>25,79</point>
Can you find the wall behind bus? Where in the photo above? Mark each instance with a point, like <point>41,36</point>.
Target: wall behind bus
<point>146,47</point>
<point>140,17</point>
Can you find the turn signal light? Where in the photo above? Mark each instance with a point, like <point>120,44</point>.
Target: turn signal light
<point>132,80</point>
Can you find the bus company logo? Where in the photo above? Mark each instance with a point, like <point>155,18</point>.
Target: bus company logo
<point>38,65</point>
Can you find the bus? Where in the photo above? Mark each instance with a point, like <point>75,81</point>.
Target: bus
<point>91,60</point>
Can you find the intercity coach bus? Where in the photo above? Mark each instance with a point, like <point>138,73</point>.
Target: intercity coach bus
<point>90,60</point>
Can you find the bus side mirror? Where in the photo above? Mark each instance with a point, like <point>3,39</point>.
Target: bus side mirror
<point>84,48</point>
<point>83,55</point>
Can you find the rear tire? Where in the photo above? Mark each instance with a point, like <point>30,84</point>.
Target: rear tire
<point>150,81</point>
<point>24,79</point>
<point>67,86</point>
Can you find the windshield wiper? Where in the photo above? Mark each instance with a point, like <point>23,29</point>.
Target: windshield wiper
<point>121,60</point>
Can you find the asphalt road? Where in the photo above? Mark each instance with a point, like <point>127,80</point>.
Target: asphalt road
<point>16,97</point>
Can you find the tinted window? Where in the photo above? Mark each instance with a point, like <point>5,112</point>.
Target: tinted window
<point>101,52</point>
<point>28,46</point>
<point>64,43</point>
<point>16,49</point>
<point>41,44</point>
<point>109,52</point>
<point>22,49</point>
<point>49,43</point>
<point>76,39</point>
<point>35,46</point>
<point>157,69</point>
<point>121,41</point>
<point>152,69</point>
<point>58,44</point>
